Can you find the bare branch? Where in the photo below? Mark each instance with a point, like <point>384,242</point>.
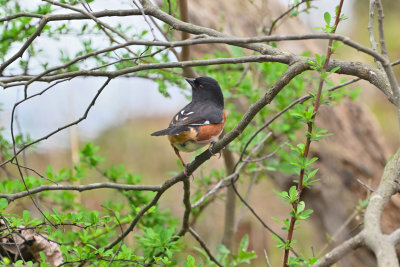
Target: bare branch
<point>185,53</point>
<point>382,41</point>
<point>371,30</point>
<point>145,19</point>
<point>395,237</point>
<point>91,16</point>
<point>266,258</point>
<point>286,13</point>
<point>342,250</point>
<point>74,16</point>
<point>365,185</point>
<point>188,207</point>
<point>379,243</point>
<point>80,188</point>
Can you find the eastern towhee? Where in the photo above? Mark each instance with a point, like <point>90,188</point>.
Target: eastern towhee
<point>201,121</point>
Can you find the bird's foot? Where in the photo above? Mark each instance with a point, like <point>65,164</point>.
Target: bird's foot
<point>185,171</point>
<point>212,143</point>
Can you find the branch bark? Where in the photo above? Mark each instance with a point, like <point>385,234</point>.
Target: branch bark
<point>80,188</point>
<point>378,242</point>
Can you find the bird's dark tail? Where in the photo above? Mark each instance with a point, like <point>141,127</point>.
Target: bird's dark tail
<point>171,131</point>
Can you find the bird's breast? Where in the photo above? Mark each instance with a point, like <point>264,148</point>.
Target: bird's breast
<point>189,146</point>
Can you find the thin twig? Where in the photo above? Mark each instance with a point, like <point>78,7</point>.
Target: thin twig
<point>204,246</point>
<point>365,185</point>
<point>284,14</point>
<point>382,41</point>
<point>243,209</point>
<point>371,31</point>
<point>188,207</point>
<point>266,258</point>
<point>91,16</point>
<point>145,19</point>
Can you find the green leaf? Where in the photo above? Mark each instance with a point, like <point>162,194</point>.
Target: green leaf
<point>26,215</point>
<point>293,193</point>
<point>244,243</point>
<point>312,173</point>
<point>300,207</point>
<point>280,244</point>
<point>190,262</point>
<point>3,204</point>
<point>327,18</point>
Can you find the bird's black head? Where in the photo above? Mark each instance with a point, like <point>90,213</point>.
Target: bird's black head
<point>206,89</point>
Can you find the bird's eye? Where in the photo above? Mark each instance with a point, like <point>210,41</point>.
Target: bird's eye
<point>201,86</point>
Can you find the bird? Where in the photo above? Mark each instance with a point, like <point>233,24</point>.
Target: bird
<point>198,123</point>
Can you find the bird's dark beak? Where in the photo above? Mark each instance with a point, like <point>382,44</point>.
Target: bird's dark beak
<point>191,82</point>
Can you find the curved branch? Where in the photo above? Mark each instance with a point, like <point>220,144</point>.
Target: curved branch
<point>339,252</point>
<point>75,16</point>
<point>395,237</point>
<point>380,243</point>
<point>80,188</point>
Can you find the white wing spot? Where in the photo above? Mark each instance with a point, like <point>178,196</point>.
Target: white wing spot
<point>183,111</point>
<point>189,113</point>
<point>200,124</point>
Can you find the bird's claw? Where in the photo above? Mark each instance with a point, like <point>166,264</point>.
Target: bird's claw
<point>185,171</point>
<point>212,143</point>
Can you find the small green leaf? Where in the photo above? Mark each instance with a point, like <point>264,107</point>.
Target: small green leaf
<point>280,244</point>
<point>327,18</point>
<point>300,207</point>
<point>3,204</point>
<point>26,215</point>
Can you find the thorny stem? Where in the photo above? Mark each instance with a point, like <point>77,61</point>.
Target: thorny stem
<point>310,125</point>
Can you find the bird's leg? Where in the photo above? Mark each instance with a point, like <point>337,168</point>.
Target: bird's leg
<point>212,143</point>
<point>180,158</point>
